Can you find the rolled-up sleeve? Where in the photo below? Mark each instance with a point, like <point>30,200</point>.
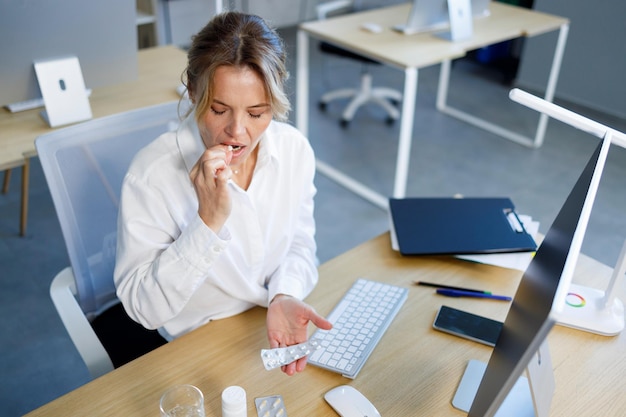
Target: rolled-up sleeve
<point>159,267</point>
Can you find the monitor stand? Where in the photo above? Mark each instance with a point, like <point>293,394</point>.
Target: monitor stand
<point>460,16</point>
<point>529,397</point>
<point>63,91</point>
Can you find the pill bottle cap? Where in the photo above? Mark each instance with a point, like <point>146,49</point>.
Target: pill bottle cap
<point>234,402</point>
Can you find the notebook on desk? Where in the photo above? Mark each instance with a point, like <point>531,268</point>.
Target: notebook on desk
<point>456,226</point>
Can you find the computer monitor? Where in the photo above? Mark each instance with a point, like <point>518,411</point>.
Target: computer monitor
<point>102,34</point>
<point>431,15</point>
<point>541,294</point>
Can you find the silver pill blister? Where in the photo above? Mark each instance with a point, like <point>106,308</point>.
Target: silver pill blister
<point>274,358</point>
<point>270,406</point>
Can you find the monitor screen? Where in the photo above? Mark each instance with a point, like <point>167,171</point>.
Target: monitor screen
<point>541,292</point>
<point>102,34</point>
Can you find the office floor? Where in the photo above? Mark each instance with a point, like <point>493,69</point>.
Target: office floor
<point>38,361</point>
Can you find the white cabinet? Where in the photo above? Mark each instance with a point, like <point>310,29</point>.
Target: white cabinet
<point>179,20</point>
<point>164,22</point>
<point>147,32</point>
<point>161,22</point>
<point>278,13</point>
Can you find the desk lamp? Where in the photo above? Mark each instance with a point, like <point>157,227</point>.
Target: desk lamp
<point>587,309</point>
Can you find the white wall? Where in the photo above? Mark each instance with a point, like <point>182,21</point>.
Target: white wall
<point>593,72</point>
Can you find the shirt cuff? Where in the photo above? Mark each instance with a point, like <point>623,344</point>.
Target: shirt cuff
<point>286,286</point>
<point>200,245</point>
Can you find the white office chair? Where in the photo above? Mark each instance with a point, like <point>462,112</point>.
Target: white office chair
<point>84,166</point>
<point>387,98</point>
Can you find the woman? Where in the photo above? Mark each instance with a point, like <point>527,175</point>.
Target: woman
<point>217,217</point>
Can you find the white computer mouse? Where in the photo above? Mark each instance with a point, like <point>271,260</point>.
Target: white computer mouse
<point>371,27</point>
<point>349,402</point>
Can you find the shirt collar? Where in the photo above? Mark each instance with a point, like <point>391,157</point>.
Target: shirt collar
<point>189,142</point>
<point>268,149</point>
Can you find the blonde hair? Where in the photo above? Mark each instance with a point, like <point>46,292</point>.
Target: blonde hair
<point>237,39</point>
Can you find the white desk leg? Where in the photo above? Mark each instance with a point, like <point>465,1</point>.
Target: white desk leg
<point>402,159</point>
<point>537,141</point>
<point>442,106</point>
<point>302,83</point>
<point>353,185</point>
<point>552,80</point>
<point>442,87</point>
<point>404,141</point>
<point>302,123</point>
<point>406,131</point>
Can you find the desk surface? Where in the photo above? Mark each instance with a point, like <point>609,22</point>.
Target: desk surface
<point>394,48</point>
<point>413,371</point>
<point>159,73</point>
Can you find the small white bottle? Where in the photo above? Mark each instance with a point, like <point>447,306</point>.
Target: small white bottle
<point>234,402</point>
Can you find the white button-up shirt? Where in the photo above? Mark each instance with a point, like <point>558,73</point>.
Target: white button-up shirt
<point>174,273</point>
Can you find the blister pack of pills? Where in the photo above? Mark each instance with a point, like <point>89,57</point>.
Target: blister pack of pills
<point>270,406</point>
<point>274,358</point>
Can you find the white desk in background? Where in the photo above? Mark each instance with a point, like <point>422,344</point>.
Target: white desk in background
<point>158,76</point>
<point>411,52</point>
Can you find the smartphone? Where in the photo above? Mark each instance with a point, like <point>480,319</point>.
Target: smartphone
<point>467,325</point>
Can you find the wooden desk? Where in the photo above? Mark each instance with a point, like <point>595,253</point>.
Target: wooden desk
<point>414,371</point>
<point>159,73</point>
<point>411,52</point>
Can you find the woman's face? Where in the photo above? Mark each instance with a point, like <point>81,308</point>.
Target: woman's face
<point>239,114</point>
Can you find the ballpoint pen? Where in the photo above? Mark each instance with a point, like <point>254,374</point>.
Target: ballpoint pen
<point>449,287</point>
<point>458,293</point>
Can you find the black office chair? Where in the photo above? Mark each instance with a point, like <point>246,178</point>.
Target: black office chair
<point>387,98</point>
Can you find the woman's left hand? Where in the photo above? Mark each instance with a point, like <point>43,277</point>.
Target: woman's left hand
<point>287,323</point>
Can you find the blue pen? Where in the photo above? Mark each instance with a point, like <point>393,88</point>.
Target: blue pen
<point>459,293</point>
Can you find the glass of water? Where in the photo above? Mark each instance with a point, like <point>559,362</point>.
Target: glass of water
<point>182,401</point>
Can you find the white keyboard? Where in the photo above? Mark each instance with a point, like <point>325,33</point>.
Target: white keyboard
<point>359,321</point>
<point>33,103</point>
<point>25,105</point>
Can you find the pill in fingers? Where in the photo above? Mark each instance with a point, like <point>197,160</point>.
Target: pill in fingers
<point>229,155</point>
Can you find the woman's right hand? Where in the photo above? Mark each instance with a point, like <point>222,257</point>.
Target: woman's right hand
<point>210,177</point>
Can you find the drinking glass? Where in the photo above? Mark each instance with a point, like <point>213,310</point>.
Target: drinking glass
<point>182,401</point>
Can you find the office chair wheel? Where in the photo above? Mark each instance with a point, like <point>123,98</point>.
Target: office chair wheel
<point>389,121</point>
<point>322,106</point>
<point>344,123</point>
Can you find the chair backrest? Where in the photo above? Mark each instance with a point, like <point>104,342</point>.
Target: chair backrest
<point>84,166</point>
